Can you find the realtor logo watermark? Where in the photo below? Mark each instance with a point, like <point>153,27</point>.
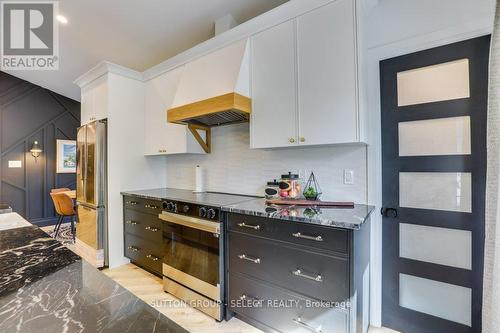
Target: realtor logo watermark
<point>30,35</point>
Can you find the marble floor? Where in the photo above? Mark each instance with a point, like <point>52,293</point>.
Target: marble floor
<point>149,288</point>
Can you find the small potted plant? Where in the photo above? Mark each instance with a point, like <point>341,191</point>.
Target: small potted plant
<point>312,191</point>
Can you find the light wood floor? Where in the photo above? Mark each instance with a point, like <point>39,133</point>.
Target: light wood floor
<point>149,288</point>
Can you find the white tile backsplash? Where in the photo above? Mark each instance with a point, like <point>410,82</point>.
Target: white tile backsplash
<point>235,168</point>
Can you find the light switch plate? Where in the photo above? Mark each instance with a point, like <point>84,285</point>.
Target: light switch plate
<point>348,177</point>
<point>15,164</point>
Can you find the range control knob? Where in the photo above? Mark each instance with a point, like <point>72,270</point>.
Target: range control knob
<point>202,212</point>
<point>211,213</point>
<point>170,206</point>
<point>185,208</point>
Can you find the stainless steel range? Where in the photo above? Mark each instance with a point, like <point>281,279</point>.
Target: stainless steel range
<point>193,265</point>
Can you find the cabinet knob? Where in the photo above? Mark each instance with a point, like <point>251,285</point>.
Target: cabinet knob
<point>292,140</point>
<point>302,139</point>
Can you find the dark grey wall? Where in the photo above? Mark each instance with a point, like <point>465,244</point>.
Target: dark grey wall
<point>28,113</point>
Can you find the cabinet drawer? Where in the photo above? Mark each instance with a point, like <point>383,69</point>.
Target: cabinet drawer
<point>325,238</point>
<point>144,205</point>
<point>311,274</point>
<point>145,225</point>
<point>282,311</point>
<point>141,252</point>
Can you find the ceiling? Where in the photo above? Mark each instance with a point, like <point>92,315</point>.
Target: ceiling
<point>133,33</point>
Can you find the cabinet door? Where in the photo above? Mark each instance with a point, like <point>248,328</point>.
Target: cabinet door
<point>100,88</point>
<point>273,121</point>
<point>87,105</point>
<point>327,78</point>
<point>162,137</point>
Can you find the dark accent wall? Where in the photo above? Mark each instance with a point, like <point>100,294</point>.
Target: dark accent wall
<point>27,113</point>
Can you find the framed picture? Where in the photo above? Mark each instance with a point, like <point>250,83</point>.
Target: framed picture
<point>66,156</point>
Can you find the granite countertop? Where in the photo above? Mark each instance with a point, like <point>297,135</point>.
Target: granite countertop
<point>44,287</point>
<point>348,218</point>
<point>216,199</point>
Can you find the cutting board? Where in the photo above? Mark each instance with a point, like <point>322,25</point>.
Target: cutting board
<point>310,203</point>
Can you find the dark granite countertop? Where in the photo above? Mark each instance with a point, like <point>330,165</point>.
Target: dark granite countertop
<point>44,287</point>
<point>216,199</point>
<point>348,218</point>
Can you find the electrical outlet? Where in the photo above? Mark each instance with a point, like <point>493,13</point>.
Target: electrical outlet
<point>348,177</point>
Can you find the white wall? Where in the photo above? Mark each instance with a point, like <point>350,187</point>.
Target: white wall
<point>235,168</point>
<point>392,28</point>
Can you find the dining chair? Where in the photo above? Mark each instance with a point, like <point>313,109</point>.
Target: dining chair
<point>63,205</point>
<point>62,189</point>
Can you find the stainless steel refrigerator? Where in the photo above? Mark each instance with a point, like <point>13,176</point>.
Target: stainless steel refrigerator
<point>91,192</point>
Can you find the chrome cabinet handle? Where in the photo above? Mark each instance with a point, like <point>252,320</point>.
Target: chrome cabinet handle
<point>132,248</point>
<point>314,238</point>
<point>316,278</point>
<point>151,206</point>
<point>250,226</point>
<point>153,229</point>
<point>299,321</point>
<point>152,257</point>
<point>132,222</point>
<point>245,257</point>
<point>133,203</point>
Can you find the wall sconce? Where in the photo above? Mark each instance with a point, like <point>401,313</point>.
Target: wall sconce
<point>35,150</point>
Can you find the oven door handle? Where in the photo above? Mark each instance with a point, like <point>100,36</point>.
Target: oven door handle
<point>191,222</point>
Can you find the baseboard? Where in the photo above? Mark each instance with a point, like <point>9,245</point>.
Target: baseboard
<point>43,222</point>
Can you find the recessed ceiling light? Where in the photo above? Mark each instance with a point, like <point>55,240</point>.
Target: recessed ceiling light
<point>62,19</point>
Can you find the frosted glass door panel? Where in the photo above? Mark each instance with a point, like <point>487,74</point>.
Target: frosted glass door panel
<point>443,246</point>
<point>441,82</point>
<point>435,298</point>
<point>436,190</point>
<point>443,136</point>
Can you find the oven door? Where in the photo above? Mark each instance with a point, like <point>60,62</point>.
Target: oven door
<point>192,253</point>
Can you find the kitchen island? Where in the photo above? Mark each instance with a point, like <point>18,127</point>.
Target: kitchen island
<point>44,287</point>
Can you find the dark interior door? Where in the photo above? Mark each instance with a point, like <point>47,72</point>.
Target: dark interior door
<point>434,106</point>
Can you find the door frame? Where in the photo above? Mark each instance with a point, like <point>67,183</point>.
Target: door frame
<point>455,220</point>
<point>370,74</point>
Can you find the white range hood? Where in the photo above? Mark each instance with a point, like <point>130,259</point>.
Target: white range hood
<point>214,89</point>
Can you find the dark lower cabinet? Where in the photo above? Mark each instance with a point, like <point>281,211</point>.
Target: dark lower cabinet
<point>282,283</point>
<point>143,234</point>
<point>281,310</point>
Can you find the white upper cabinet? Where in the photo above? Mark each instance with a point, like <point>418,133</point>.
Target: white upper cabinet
<point>304,80</point>
<point>94,100</point>
<point>273,120</point>
<point>160,136</point>
<point>327,74</point>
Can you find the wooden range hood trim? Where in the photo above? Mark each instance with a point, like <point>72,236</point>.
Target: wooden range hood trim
<point>232,101</point>
<point>207,144</point>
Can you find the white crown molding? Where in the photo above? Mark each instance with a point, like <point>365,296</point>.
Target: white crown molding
<point>105,67</point>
